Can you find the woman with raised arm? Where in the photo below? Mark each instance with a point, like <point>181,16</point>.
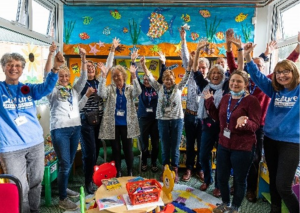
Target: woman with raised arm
<point>119,122</point>
<point>169,114</point>
<point>21,135</point>
<point>90,144</point>
<point>281,140</point>
<point>65,127</point>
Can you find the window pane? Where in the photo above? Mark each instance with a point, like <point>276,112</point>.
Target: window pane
<point>40,18</point>
<point>290,21</point>
<point>284,52</point>
<point>8,10</point>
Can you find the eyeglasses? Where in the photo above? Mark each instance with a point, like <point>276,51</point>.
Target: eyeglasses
<point>284,72</point>
<point>18,66</point>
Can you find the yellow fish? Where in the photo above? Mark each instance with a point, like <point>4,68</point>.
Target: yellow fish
<point>204,13</point>
<point>220,35</point>
<point>186,17</point>
<point>241,17</point>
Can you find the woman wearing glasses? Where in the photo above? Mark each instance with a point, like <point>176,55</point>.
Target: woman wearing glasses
<point>281,141</point>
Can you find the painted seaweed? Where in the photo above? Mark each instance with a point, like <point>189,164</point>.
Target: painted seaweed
<point>134,31</point>
<point>68,29</point>
<point>212,29</point>
<point>246,32</point>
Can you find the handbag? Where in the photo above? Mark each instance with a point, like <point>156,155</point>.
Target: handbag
<point>93,117</point>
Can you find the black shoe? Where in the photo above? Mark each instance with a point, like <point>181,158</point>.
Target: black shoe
<point>89,188</point>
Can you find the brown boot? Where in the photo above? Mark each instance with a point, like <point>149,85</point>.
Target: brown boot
<point>176,174</point>
<point>187,175</point>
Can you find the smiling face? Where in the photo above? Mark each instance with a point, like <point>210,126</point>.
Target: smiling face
<point>118,78</point>
<point>259,63</point>
<point>91,71</point>
<point>168,79</point>
<point>215,75</point>
<point>63,77</point>
<point>203,68</point>
<point>13,70</point>
<point>237,83</point>
<point>146,81</point>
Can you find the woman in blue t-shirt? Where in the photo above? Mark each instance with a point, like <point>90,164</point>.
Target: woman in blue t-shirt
<point>281,142</point>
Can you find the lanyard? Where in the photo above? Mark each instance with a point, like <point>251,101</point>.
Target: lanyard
<point>95,83</point>
<point>228,107</point>
<point>70,99</point>
<point>120,96</point>
<point>149,95</point>
<point>16,102</point>
<point>251,89</point>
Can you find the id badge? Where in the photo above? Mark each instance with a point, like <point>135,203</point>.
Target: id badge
<point>168,109</point>
<point>226,133</point>
<point>120,113</point>
<point>20,120</point>
<point>150,109</point>
<point>73,114</point>
<point>100,108</point>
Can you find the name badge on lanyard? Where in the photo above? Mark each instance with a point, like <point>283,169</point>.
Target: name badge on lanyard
<point>149,109</point>
<point>120,112</point>
<point>20,120</point>
<point>226,132</point>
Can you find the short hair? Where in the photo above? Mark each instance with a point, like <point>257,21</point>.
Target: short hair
<point>65,68</point>
<point>219,67</point>
<point>8,57</point>
<point>97,73</point>
<point>120,69</point>
<point>204,60</point>
<point>259,58</point>
<point>168,73</point>
<point>288,65</point>
<point>243,74</point>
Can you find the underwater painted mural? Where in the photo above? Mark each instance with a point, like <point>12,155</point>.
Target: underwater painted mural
<point>153,29</point>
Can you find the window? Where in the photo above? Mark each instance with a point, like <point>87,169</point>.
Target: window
<point>290,21</point>
<point>9,11</point>
<point>41,18</point>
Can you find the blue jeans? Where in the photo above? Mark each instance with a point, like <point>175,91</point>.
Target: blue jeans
<point>90,146</point>
<point>193,130</point>
<point>28,166</point>
<point>65,143</point>
<point>210,136</point>
<point>240,161</point>
<point>170,135</point>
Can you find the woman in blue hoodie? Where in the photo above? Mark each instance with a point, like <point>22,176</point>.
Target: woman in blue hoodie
<point>281,141</point>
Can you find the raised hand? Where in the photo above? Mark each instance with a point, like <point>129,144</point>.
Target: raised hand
<point>248,48</point>
<point>132,70</point>
<point>82,53</point>
<point>143,61</point>
<point>134,55</point>
<point>116,42</point>
<point>162,57</point>
<point>270,47</point>
<point>52,48</point>
<point>207,94</point>
<point>241,121</point>
<point>236,40</point>
<point>103,68</point>
<point>191,61</point>
<point>182,33</point>
<point>201,44</point>
<point>59,60</point>
<point>90,91</point>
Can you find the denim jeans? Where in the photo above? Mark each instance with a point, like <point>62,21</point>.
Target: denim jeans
<point>90,146</point>
<point>65,143</point>
<point>210,136</point>
<point>149,127</point>
<point>193,130</point>
<point>28,166</point>
<point>170,135</point>
<point>282,161</point>
<point>240,161</point>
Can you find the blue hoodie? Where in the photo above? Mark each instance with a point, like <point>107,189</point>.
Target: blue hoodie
<point>13,137</point>
<point>282,119</point>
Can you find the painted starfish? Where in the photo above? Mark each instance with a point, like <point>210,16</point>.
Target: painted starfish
<point>178,47</point>
<point>222,50</point>
<point>93,49</point>
<point>100,44</point>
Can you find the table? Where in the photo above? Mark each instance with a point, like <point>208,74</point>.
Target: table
<point>102,192</point>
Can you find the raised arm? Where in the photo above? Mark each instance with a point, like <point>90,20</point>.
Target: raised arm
<point>198,77</point>
<point>238,43</point>
<point>48,65</point>
<point>102,89</point>
<point>200,45</point>
<point>152,81</point>
<point>80,84</point>
<point>137,90</point>
<point>85,98</point>
<point>184,49</point>
<point>110,58</point>
<point>162,58</point>
<point>134,55</point>
<point>295,54</point>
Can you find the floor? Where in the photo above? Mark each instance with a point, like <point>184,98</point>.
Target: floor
<point>78,180</point>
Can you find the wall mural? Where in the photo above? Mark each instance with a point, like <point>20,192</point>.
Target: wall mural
<point>153,29</point>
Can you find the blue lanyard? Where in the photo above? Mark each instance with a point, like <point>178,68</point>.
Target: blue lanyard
<point>120,96</point>
<point>149,95</point>
<point>70,99</point>
<point>16,103</point>
<point>251,89</point>
<point>236,105</point>
<point>96,85</point>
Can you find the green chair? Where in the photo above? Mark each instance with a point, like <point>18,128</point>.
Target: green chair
<point>106,152</point>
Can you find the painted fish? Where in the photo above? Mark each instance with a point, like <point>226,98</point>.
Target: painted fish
<point>220,35</point>
<point>75,68</point>
<point>241,17</point>
<point>194,36</point>
<point>186,17</point>
<point>84,36</point>
<point>106,31</point>
<point>115,14</point>
<point>87,20</point>
<point>204,13</point>
<point>125,30</point>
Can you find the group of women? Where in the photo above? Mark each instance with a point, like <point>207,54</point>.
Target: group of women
<point>225,109</point>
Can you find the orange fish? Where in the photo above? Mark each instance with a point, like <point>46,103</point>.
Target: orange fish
<point>84,36</point>
<point>125,30</point>
<point>204,13</point>
<point>220,35</point>
<point>194,36</point>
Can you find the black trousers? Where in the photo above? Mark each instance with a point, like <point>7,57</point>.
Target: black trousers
<point>121,135</point>
<point>282,161</point>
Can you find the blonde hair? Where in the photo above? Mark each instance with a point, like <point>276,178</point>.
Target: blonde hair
<point>65,68</point>
<point>167,74</point>
<point>120,69</point>
<point>288,65</point>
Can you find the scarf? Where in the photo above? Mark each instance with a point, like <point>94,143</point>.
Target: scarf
<point>64,92</point>
<point>202,114</point>
<point>166,98</point>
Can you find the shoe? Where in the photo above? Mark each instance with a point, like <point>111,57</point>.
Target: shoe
<point>232,210</point>
<point>200,175</point>
<point>187,175</point>
<point>221,208</point>
<point>275,209</point>
<point>176,174</point>
<point>154,168</point>
<point>204,186</point>
<point>71,193</point>
<point>232,190</point>
<point>67,204</point>
<point>144,167</point>
<point>251,196</point>
<point>217,193</point>
<point>89,188</point>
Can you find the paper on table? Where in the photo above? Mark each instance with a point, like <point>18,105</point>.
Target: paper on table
<point>140,206</point>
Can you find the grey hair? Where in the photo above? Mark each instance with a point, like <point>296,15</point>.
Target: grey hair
<point>204,60</point>
<point>260,58</point>
<point>8,57</point>
<point>219,67</point>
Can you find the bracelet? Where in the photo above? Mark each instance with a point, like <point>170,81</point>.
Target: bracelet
<point>84,62</point>
<point>55,68</point>
<point>240,49</point>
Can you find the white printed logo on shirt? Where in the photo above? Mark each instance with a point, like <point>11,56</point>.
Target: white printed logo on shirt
<point>285,102</point>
